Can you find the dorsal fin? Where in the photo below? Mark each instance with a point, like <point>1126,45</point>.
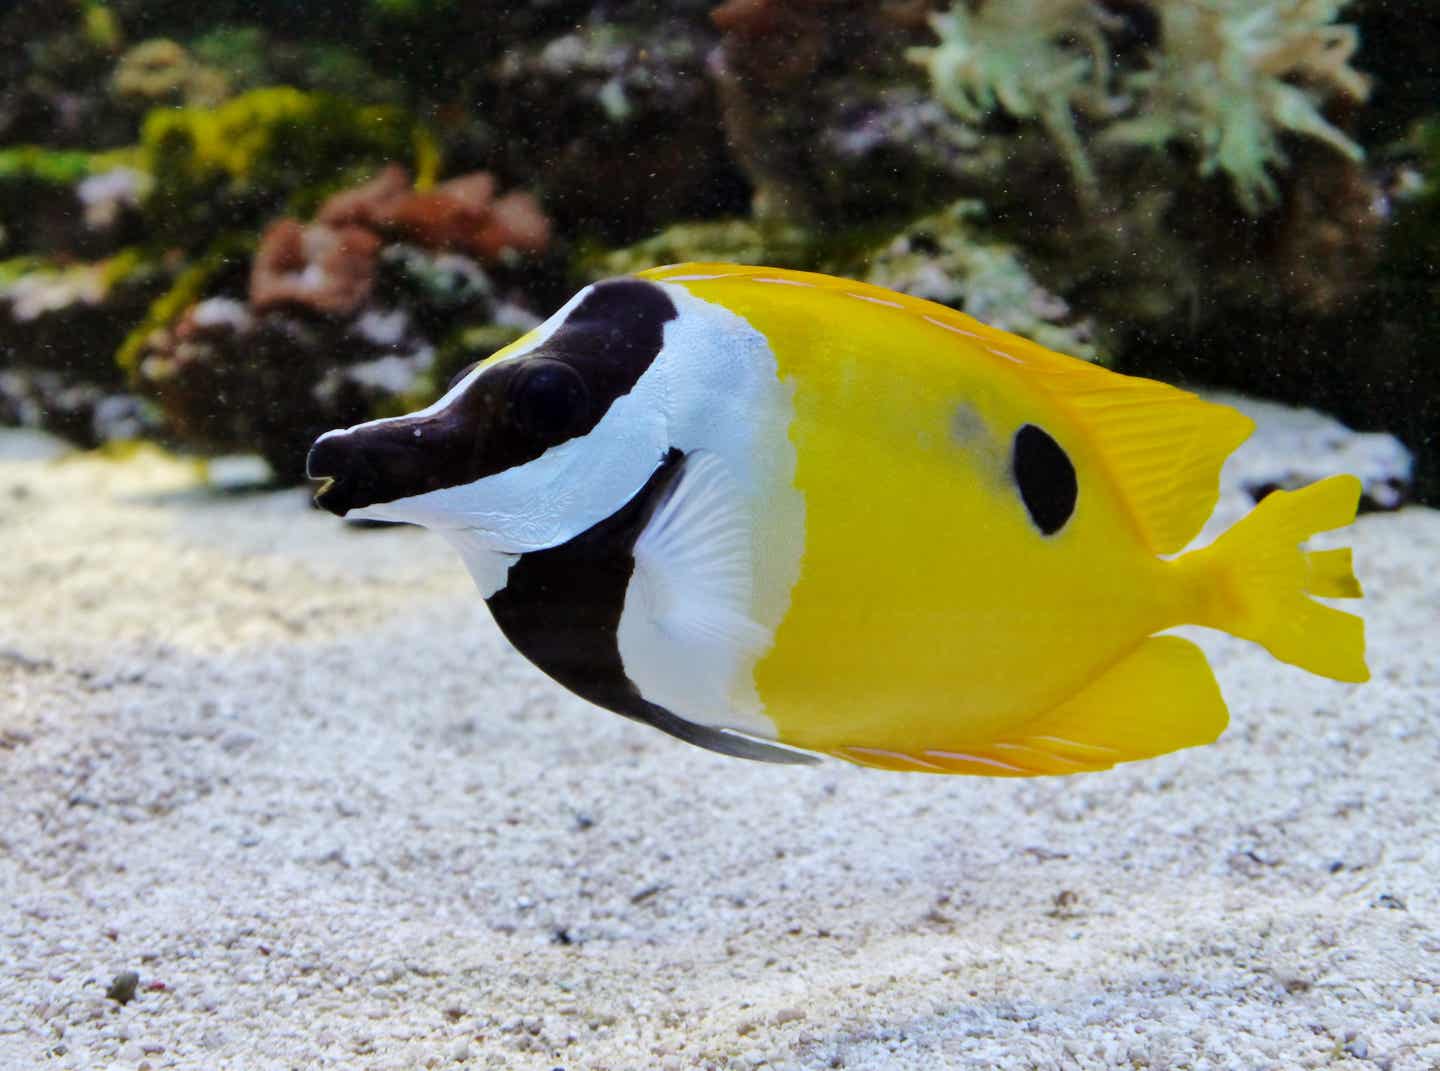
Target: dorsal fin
<point>1163,446</point>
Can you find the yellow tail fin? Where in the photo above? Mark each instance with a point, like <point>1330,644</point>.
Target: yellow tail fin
<point>1255,581</point>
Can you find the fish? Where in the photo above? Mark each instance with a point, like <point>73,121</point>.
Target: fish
<point>782,516</point>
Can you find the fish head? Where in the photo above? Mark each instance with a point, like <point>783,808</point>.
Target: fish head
<point>529,448</point>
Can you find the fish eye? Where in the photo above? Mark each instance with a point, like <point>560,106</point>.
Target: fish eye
<point>549,399</point>
<point>458,376</point>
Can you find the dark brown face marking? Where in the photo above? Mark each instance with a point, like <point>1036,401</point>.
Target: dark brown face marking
<point>561,608</point>
<point>1046,478</point>
<point>458,376</point>
<point>508,416</point>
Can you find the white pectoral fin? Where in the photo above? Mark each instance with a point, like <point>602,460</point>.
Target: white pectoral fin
<point>488,566</point>
<point>686,636</point>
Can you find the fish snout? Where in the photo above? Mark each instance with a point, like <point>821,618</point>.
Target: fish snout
<point>370,464</point>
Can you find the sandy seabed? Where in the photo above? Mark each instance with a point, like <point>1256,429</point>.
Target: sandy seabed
<point>290,774</point>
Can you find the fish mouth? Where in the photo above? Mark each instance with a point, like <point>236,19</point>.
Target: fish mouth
<point>331,464</point>
<point>369,466</point>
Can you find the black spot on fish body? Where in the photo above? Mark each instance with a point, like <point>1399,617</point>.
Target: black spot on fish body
<point>561,608</point>
<point>1045,476</point>
<point>512,413</point>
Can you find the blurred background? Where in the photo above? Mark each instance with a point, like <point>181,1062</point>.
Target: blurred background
<point>227,227</point>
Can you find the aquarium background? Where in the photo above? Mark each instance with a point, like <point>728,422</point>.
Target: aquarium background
<point>275,792</point>
<point>229,227</point>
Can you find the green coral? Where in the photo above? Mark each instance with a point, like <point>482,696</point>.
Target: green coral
<point>239,51</point>
<point>411,10</point>
<point>947,257</point>
<point>100,26</point>
<point>1035,60</point>
<point>187,289</point>
<point>277,148</point>
<point>733,241</point>
<point>250,58</point>
<point>13,269</point>
<point>161,71</point>
<point>1411,262</point>
<point>55,167</point>
<point>1220,84</point>
<point>1228,78</point>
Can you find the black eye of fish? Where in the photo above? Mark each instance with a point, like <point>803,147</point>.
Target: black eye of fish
<point>549,399</point>
<point>458,376</point>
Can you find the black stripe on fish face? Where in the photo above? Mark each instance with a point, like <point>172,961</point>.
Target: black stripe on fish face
<point>511,414</point>
<point>1046,478</point>
<point>561,608</point>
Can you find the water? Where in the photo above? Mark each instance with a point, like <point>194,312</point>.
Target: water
<point>289,772</point>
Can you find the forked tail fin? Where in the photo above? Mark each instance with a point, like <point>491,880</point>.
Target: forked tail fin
<point>1256,582</point>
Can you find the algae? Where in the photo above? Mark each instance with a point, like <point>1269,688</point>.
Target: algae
<point>948,257</point>
<point>269,150</point>
<point>187,288</point>
<point>735,241</point>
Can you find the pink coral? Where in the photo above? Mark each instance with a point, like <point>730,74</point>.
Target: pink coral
<point>326,268</point>
<point>461,215</point>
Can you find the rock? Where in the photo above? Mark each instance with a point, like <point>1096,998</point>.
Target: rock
<point>122,987</point>
<point>1293,447</point>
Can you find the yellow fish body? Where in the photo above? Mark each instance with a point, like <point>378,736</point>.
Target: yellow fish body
<point>749,505</point>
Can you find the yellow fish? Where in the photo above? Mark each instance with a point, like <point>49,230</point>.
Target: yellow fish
<point>780,514</point>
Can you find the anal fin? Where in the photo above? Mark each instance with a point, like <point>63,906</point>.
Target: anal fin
<point>1159,698</point>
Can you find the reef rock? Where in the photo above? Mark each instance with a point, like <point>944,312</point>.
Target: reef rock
<point>1294,447</point>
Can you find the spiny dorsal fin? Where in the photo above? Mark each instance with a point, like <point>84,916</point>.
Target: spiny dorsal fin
<point>1162,446</point>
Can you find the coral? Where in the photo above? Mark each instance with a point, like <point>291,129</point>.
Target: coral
<point>328,269</point>
<point>948,258</point>
<point>59,321</point>
<point>340,321</point>
<point>108,195</point>
<point>784,72</point>
<point>1035,60</point>
<point>82,411</point>
<point>1220,84</point>
<point>445,281</point>
<point>615,126</point>
<point>41,291</point>
<point>240,52</point>
<point>1227,78</point>
<point>224,254</point>
<point>361,205</point>
<point>785,39</point>
<point>266,150</point>
<point>285,375</point>
<point>251,58</point>
<point>52,201</point>
<point>723,241</point>
<point>1415,237</point>
<point>462,214</point>
<point>58,167</point>
<point>1329,234</point>
<point>54,75</point>
<point>161,71</point>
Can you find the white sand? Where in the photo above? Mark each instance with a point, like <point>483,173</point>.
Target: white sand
<point>290,774</point>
